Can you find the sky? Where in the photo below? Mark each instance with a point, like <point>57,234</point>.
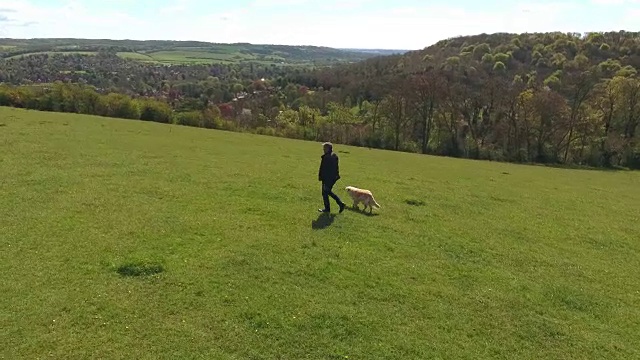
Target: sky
<point>379,24</point>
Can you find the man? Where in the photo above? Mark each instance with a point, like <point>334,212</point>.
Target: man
<point>328,174</point>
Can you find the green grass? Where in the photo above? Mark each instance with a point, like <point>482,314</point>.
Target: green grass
<point>136,56</point>
<point>182,56</point>
<point>126,239</point>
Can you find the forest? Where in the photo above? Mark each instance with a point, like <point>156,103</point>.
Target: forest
<point>551,98</point>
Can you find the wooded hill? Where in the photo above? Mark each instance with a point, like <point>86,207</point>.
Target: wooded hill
<point>550,97</point>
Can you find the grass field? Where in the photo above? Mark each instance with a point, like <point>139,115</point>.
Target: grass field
<point>136,56</point>
<point>196,57</point>
<point>126,239</point>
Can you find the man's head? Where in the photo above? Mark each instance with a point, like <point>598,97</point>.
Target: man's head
<point>327,147</point>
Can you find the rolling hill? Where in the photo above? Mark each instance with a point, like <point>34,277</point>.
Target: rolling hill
<point>529,54</point>
<point>532,97</point>
<point>186,52</point>
<point>125,238</point>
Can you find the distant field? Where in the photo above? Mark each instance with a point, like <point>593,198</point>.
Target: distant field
<point>55,52</point>
<point>182,56</point>
<point>135,56</point>
<point>129,239</point>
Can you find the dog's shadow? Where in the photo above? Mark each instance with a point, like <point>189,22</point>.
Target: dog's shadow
<point>360,211</point>
<point>323,221</point>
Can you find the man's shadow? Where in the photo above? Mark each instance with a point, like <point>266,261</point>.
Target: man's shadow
<point>323,221</point>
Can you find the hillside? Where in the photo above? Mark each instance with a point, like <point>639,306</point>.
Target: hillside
<point>550,97</point>
<point>184,52</point>
<point>553,98</point>
<point>130,239</point>
<point>521,54</point>
<point>378,51</point>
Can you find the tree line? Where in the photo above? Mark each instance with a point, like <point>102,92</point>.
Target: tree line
<point>84,99</point>
<point>546,98</point>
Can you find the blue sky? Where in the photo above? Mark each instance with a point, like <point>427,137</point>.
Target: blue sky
<point>399,24</point>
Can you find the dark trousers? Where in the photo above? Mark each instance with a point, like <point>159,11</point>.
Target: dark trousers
<point>326,192</point>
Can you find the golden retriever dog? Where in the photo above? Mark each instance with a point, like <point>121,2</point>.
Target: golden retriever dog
<point>362,196</point>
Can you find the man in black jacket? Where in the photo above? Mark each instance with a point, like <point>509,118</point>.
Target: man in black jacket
<point>329,173</point>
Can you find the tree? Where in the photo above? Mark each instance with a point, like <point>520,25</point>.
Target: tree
<point>394,110</point>
<point>308,115</point>
<point>211,116</point>
<point>526,113</point>
<point>152,110</point>
<point>190,118</point>
<point>550,109</point>
<point>287,118</point>
<point>237,89</point>
<point>630,88</point>
<point>341,117</point>
<point>119,106</point>
<point>426,88</point>
<point>577,84</point>
<point>607,100</point>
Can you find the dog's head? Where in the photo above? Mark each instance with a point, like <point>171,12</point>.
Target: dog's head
<point>349,189</point>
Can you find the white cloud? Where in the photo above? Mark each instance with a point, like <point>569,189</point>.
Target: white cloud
<point>327,24</point>
<point>177,7</point>
<point>272,3</point>
<point>615,2</point>
<point>71,20</point>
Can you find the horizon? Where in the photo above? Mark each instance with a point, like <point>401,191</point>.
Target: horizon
<point>351,24</point>
<point>207,42</point>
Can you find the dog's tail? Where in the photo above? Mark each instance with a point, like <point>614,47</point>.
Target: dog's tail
<point>375,203</point>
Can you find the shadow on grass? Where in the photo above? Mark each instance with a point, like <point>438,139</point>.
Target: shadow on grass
<point>414,202</point>
<point>139,269</point>
<point>361,212</point>
<point>613,168</point>
<point>323,221</point>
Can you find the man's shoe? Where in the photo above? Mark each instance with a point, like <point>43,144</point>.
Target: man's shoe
<point>342,206</point>
<point>323,210</point>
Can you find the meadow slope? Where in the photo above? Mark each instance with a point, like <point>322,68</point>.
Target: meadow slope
<point>465,260</point>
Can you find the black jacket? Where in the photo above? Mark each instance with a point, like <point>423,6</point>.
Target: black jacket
<point>329,169</point>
